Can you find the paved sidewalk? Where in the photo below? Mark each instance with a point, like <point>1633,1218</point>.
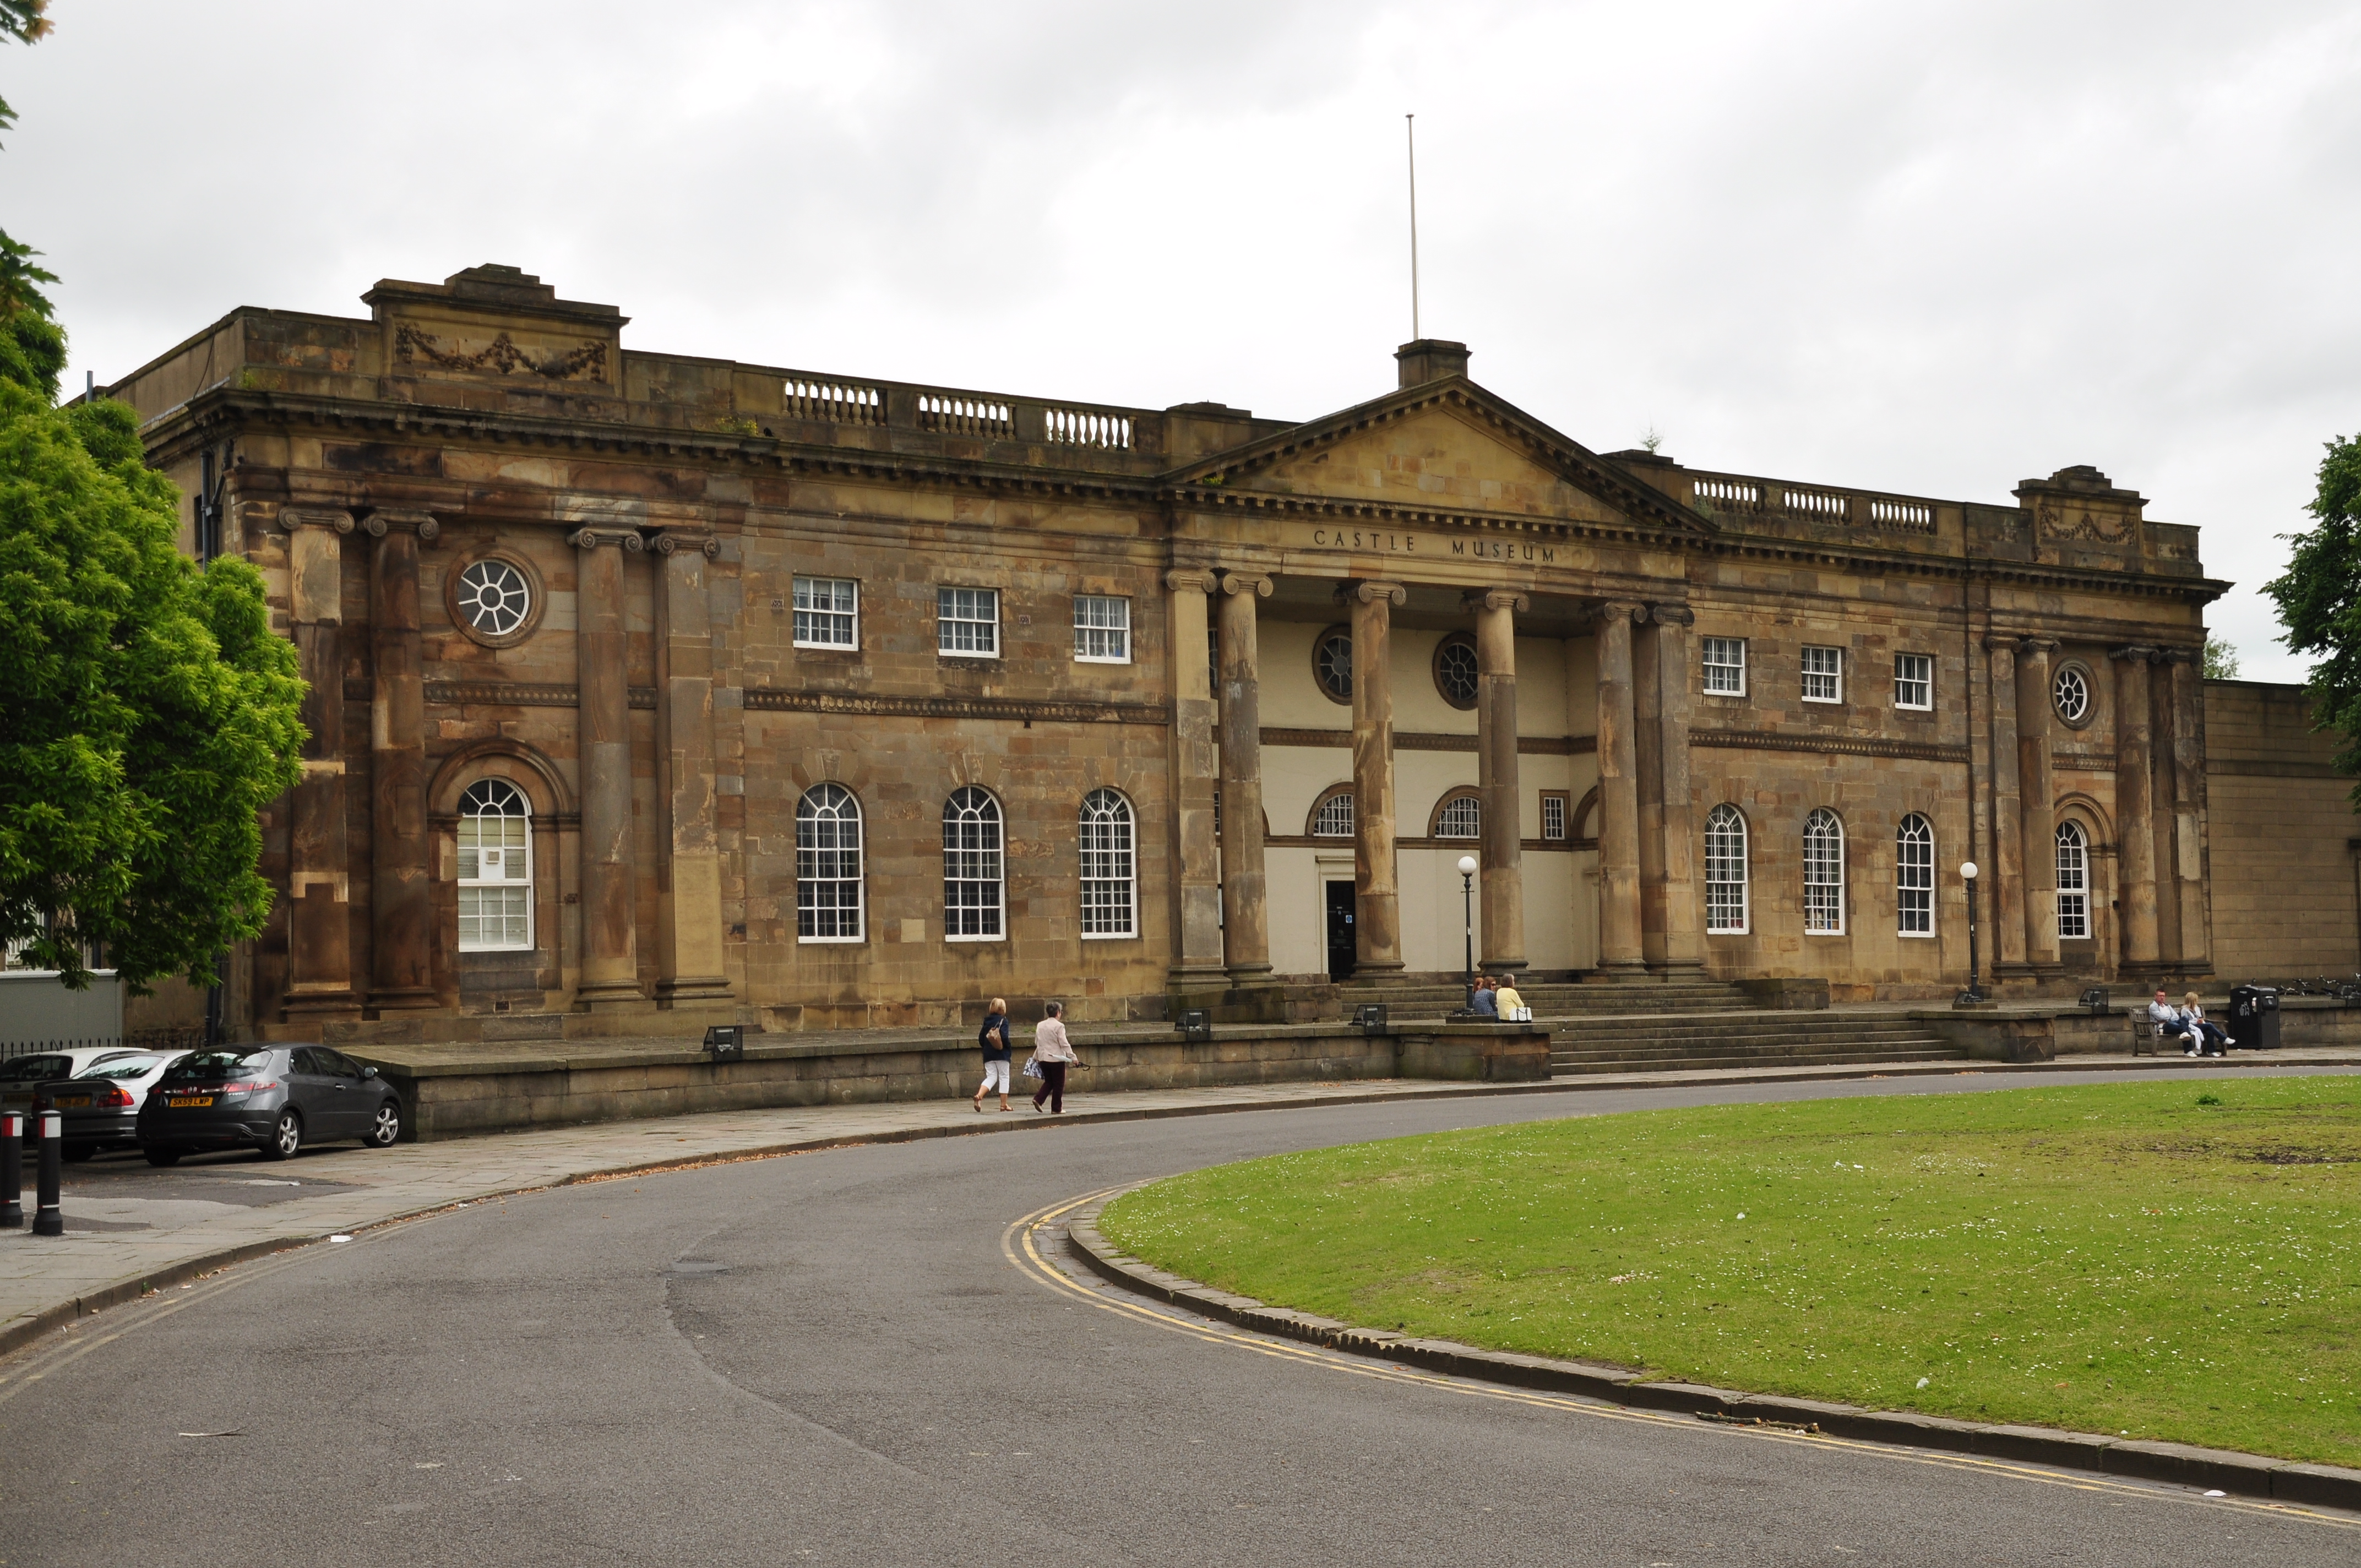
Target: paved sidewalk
<point>122,1240</point>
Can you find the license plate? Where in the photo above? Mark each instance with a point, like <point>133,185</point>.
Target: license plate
<point>73,1101</point>
<point>187,1102</point>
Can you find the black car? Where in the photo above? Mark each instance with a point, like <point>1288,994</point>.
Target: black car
<point>273,1098</point>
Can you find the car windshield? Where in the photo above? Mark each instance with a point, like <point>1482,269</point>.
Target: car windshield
<point>137,1067</point>
<point>199,1064</point>
<point>32,1069</point>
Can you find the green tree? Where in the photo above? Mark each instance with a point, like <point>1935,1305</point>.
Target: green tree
<point>2221,659</point>
<point>2319,601</point>
<point>26,21</point>
<point>148,713</point>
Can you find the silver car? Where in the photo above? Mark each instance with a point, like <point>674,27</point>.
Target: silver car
<point>98,1109</point>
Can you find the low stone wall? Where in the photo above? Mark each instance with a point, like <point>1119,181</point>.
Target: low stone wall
<point>452,1092</point>
<point>2023,1032</point>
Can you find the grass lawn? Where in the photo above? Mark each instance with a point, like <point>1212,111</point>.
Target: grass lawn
<point>2126,1257</point>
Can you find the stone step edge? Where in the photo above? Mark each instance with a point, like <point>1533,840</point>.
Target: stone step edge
<point>2325,1486</point>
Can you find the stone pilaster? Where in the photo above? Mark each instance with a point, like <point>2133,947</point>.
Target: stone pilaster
<point>319,880</point>
<point>2135,806</point>
<point>689,965</point>
<point>1376,885</point>
<point>1246,910</point>
<point>1196,880</point>
<point>401,904</point>
<point>1620,952</point>
<point>2010,914</point>
<point>1495,776</point>
<point>2187,706</point>
<point>1672,906</point>
<point>610,962</point>
<point>2037,806</point>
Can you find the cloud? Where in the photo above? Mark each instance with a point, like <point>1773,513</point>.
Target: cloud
<point>1933,249</point>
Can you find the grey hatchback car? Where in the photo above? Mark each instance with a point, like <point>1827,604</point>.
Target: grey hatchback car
<point>271,1098</point>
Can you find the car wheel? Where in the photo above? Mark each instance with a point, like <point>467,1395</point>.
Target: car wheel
<point>285,1138</point>
<point>74,1154</point>
<point>384,1128</point>
<point>162,1156</point>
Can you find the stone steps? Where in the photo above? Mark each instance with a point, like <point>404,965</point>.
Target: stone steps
<point>1557,1001</point>
<point>1935,1051</point>
<point>1733,1041</point>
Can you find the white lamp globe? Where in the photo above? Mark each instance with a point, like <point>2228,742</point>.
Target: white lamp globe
<point>1467,865</point>
<point>1968,870</point>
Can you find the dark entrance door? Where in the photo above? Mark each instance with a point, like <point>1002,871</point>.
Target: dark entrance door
<point>1340,929</point>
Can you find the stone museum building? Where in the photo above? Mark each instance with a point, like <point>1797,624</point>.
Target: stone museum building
<point>649,690</point>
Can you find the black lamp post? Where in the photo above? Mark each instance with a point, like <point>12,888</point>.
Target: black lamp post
<point>1970,995</point>
<point>1467,915</point>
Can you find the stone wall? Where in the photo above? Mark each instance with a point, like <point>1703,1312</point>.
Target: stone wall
<point>2283,869</point>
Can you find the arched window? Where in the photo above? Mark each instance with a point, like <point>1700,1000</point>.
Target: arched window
<point>1725,872</point>
<point>2073,883</point>
<point>973,890</point>
<point>495,868</point>
<point>1460,817</point>
<point>1824,900</point>
<point>1914,877</point>
<point>1332,818</point>
<point>828,866</point>
<point>1110,883</point>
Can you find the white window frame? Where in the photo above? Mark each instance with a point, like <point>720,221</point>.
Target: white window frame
<point>1824,895</point>
<point>2081,680</point>
<point>798,608</point>
<point>1914,878</point>
<point>1729,823</point>
<point>1331,805</point>
<point>1467,806</point>
<point>947,600</point>
<point>1112,897</point>
<point>819,799</point>
<point>515,595</point>
<point>1830,670</point>
<point>1118,631</point>
<point>1913,670</point>
<point>472,856</point>
<point>2072,848</point>
<point>987,863</point>
<point>1735,668</point>
<point>1553,812</point>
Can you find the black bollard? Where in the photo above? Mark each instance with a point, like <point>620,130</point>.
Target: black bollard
<point>12,1170</point>
<point>49,1220</point>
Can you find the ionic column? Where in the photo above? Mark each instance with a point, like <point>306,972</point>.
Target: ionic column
<point>401,904</point>
<point>1377,885</point>
<point>2188,707</point>
<point>1495,776</point>
<point>1675,898</point>
<point>2012,915</point>
<point>1619,953</point>
<point>688,925</point>
<point>319,884</point>
<point>2135,804</point>
<point>610,954</point>
<point>1245,912</point>
<point>2039,803</point>
<point>1196,880</point>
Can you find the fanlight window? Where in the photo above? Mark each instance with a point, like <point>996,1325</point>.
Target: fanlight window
<point>1331,663</point>
<point>1824,903</point>
<point>974,891</point>
<point>1462,818</point>
<point>1725,872</point>
<point>2072,692</point>
<point>1335,817</point>
<point>1110,886</point>
<point>494,596</point>
<point>2073,883</point>
<point>495,868</point>
<point>1914,877</point>
<point>829,905</point>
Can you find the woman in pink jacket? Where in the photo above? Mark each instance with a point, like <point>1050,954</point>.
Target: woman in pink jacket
<point>1052,1053</point>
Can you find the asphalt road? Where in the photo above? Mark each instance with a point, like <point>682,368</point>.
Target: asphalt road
<point>832,1358</point>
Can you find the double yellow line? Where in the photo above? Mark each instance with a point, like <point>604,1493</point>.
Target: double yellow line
<point>1021,1243</point>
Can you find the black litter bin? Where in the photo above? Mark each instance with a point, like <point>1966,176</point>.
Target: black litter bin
<point>2253,1018</point>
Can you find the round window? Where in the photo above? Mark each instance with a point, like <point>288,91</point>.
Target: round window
<point>494,598</point>
<point>1456,670</point>
<point>2072,692</point>
<point>1331,663</point>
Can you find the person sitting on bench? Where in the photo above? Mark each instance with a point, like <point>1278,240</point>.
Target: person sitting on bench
<point>2169,1025</point>
<point>2205,1037</point>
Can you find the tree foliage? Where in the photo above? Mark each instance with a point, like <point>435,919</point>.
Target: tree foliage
<point>2221,659</point>
<point>2319,601</point>
<point>27,21</point>
<point>148,713</point>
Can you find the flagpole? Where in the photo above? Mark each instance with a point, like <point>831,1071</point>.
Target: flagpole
<point>1410,128</point>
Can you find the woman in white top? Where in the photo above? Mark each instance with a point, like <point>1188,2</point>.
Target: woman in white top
<point>1052,1053</point>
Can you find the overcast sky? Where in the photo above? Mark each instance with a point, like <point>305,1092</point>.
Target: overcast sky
<point>1931,249</point>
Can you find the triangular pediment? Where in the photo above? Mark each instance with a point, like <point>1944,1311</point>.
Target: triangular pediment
<point>1444,445</point>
